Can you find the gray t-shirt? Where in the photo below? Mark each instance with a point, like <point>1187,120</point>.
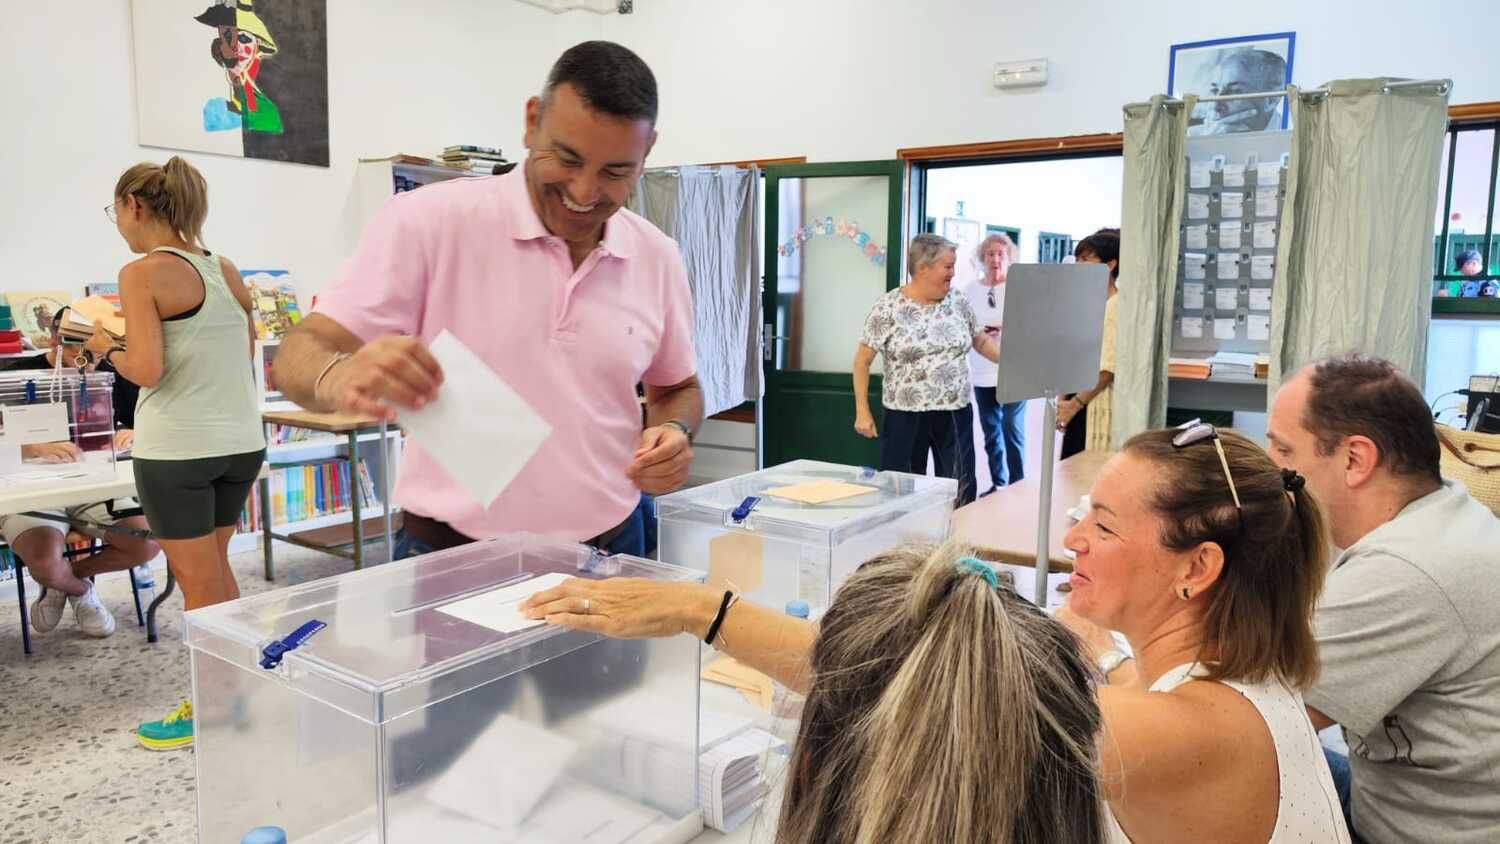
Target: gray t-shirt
<point>924,348</point>
<point>1409,633</point>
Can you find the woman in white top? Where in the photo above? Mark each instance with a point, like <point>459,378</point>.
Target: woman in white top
<point>1209,559</point>
<point>1004,425</point>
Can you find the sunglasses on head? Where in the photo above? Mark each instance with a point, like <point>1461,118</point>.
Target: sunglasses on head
<point>1197,431</point>
<point>991,294</point>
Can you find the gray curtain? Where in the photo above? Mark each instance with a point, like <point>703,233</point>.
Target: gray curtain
<point>1354,265</point>
<point>1149,227</point>
<point>711,213</point>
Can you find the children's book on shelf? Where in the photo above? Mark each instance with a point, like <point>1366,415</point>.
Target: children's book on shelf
<point>304,492</point>
<point>274,298</point>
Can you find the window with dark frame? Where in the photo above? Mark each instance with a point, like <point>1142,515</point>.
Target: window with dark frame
<point>1467,190</point>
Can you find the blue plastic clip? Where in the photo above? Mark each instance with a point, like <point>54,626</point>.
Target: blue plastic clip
<point>866,473</point>
<point>31,392</point>
<point>744,509</point>
<point>270,655</point>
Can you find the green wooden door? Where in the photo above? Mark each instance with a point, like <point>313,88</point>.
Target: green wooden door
<point>822,277</point>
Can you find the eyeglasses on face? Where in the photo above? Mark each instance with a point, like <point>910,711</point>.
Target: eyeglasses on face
<point>109,211</point>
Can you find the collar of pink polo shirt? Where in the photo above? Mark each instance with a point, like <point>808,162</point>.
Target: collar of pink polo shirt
<point>526,224</point>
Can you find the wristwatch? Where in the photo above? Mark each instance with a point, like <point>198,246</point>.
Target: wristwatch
<point>1111,659</point>
<point>673,423</point>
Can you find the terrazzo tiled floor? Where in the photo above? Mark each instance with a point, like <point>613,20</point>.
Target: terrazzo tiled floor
<point>70,767</point>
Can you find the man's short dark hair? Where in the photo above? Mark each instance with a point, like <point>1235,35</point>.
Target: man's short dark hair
<point>610,78</point>
<point>1360,395</point>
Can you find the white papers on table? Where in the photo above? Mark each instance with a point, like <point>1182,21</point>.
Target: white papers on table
<point>1192,296</point>
<point>1197,206</point>
<point>1197,236</point>
<point>1262,267</point>
<point>1192,327</point>
<point>1265,235</point>
<point>1260,298</point>
<point>1229,265</point>
<point>1258,326</point>
<point>499,609</point>
<point>731,782</point>
<point>1198,174</point>
<point>478,429</point>
<point>1193,263</point>
<point>1226,298</point>
<point>1229,236</point>
<point>1234,175</point>
<point>1224,329</point>
<point>1231,205</point>
<point>1268,173</point>
<point>1265,202</point>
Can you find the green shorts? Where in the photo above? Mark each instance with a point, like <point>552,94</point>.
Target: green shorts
<point>186,499</point>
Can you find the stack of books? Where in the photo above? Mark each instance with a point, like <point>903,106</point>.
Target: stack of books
<point>80,318</point>
<point>1196,369</point>
<point>474,158</point>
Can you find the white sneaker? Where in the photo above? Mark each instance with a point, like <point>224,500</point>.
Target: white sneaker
<point>92,616</point>
<point>47,611</point>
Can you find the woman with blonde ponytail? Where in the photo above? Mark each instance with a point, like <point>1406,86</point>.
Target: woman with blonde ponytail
<point>198,440</point>
<point>941,705</point>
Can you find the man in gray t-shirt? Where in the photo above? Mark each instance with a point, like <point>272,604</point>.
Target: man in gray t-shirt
<point>1408,626</point>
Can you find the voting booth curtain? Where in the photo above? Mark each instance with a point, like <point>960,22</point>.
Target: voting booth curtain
<point>1354,266</point>
<point>711,213</point>
<point>1149,231</point>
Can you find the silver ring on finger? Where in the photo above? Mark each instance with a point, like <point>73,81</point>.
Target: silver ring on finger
<point>588,606</point>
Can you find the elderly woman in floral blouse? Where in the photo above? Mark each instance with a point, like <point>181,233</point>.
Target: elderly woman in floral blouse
<point>925,330</point>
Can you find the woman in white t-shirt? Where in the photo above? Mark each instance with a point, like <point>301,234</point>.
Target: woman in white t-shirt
<point>923,329</point>
<point>1004,425</point>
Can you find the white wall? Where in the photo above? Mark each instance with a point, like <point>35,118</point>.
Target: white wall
<point>851,79</point>
<point>832,80</point>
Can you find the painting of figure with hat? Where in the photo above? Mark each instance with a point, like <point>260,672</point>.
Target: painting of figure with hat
<point>261,93</point>
<point>242,42</point>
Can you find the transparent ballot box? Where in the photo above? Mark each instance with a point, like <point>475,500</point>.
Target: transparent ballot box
<point>427,710</point>
<point>40,408</point>
<point>811,525</point>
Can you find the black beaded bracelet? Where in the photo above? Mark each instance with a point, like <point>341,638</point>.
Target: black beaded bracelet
<point>713,627</point>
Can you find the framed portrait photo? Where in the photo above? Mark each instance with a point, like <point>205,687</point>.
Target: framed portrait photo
<point>1246,64</point>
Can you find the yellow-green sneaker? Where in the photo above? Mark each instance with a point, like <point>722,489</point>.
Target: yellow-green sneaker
<point>173,732</point>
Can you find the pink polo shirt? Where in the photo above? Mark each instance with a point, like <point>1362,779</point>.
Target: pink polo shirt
<point>472,257</point>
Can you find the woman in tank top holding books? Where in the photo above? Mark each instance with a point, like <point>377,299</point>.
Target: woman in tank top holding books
<point>199,444</point>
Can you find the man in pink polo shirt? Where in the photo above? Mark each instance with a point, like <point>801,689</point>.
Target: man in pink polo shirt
<point>570,298</point>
